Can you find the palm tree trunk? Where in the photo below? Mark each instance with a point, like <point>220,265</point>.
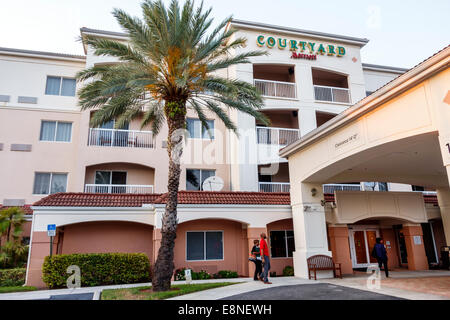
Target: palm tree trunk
<point>164,266</point>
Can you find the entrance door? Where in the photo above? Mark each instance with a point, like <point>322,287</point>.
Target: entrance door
<point>362,241</point>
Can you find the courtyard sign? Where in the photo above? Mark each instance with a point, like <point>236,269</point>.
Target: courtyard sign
<point>308,50</point>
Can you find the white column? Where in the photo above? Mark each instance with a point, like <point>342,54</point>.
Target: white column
<point>444,205</point>
<point>310,229</point>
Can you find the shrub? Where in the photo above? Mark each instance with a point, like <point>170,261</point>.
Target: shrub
<point>12,277</point>
<point>226,274</point>
<point>97,269</point>
<point>179,274</point>
<point>202,275</point>
<point>288,271</point>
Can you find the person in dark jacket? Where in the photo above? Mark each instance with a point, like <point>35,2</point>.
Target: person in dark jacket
<point>379,253</point>
<point>256,253</point>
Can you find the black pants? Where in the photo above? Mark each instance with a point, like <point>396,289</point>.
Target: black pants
<point>258,270</point>
<point>382,262</point>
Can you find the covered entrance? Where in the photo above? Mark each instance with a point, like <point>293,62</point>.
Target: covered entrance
<point>397,135</point>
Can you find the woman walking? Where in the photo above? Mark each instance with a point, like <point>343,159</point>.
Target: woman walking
<point>256,258</point>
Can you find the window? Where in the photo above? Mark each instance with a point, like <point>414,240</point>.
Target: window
<point>56,131</point>
<point>204,245</point>
<point>282,243</point>
<point>198,131</point>
<point>49,183</point>
<point>107,179</point>
<point>196,177</point>
<point>59,86</point>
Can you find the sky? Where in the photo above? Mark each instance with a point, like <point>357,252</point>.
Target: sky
<point>401,33</point>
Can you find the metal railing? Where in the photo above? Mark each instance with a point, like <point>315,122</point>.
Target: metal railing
<point>277,136</point>
<point>332,94</point>
<point>121,138</point>
<point>118,188</point>
<point>279,89</point>
<point>274,187</point>
<point>330,188</point>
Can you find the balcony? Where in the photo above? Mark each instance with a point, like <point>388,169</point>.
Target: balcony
<point>121,138</point>
<point>331,188</point>
<point>276,89</point>
<point>274,187</point>
<point>118,188</point>
<point>332,94</point>
<point>276,136</point>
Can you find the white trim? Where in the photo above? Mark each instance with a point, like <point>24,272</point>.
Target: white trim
<point>204,246</point>
<point>434,241</point>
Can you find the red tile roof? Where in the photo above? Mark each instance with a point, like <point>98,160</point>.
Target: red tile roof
<point>184,197</point>
<point>26,209</point>
<point>96,200</point>
<point>225,197</point>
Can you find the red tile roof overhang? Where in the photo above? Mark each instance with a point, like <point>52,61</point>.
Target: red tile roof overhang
<point>184,197</point>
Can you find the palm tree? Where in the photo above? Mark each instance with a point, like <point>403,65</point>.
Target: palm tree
<point>11,222</point>
<point>169,64</point>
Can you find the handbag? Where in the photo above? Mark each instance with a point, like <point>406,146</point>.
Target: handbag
<point>252,258</point>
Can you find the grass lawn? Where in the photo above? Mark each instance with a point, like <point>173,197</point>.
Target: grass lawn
<point>145,293</point>
<point>16,289</point>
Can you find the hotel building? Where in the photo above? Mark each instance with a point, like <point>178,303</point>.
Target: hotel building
<point>105,187</point>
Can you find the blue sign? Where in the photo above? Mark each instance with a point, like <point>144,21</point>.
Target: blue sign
<point>51,230</point>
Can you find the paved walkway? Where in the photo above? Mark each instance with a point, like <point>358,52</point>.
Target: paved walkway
<point>94,291</point>
<point>415,285</point>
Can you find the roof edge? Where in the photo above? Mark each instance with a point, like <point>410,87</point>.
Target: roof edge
<point>42,54</point>
<point>263,26</point>
<point>378,67</point>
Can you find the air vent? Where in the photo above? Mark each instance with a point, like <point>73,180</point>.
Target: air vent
<point>21,147</point>
<point>32,100</point>
<point>13,202</point>
<point>4,98</point>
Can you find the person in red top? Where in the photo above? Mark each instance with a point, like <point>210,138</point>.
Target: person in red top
<point>265,258</point>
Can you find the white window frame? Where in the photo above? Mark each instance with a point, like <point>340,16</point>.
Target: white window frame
<point>56,131</point>
<point>201,129</point>
<point>204,246</point>
<point>50,182</point>
<point>60,86</point>
<point>285,243</point>
<point>201,178</point>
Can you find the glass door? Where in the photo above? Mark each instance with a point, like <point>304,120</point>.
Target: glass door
<point>362,241</point>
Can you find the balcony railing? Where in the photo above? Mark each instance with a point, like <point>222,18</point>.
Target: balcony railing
<point>274,187</point>
<point>121,138</point>
<point>118,188</point>
<point>332,94</point>
<point>278,89</point>
<point>330,188</point>
<point>277,136</point>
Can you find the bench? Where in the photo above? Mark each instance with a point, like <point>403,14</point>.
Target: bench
<point>322,263</point>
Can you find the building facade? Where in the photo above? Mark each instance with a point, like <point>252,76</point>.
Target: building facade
<point>47,147</point>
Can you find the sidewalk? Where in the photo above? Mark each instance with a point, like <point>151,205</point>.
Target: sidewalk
<point>250,285</point>
<point>413,285</point>
<point>46,294</point>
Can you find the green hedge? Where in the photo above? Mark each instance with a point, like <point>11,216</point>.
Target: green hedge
<point>203,275</point>
<point>97,269</point>
<point>288,271</point>
<point>12,277</point>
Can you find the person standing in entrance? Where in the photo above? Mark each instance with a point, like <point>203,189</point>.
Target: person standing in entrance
<point>265,258</point>
<point>379,253</point>
<point>256,255</point>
